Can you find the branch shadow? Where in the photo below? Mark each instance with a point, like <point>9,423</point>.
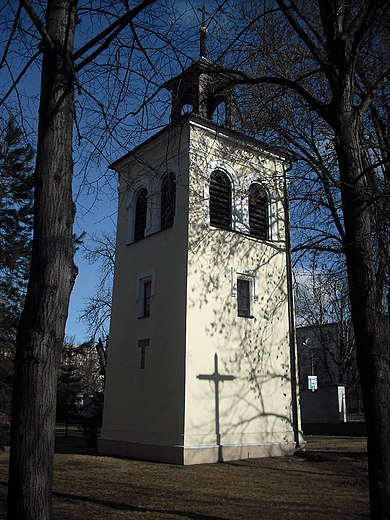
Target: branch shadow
<point>121,506</point>
<point>254,351</point>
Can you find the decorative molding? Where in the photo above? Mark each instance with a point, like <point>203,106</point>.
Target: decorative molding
<point>142,277</point>
<point>245,274</point>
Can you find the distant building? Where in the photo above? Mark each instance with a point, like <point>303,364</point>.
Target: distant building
<point>320,352</point>
<point>327,352</point>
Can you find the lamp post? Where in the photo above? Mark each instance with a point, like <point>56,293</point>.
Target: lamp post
<point>312,379</point>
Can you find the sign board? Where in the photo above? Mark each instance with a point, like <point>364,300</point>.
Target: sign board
<point>312,383</point>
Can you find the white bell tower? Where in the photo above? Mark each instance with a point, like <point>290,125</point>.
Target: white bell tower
<point>199,366</point>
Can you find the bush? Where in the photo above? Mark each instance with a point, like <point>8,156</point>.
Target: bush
<point>90,421</point>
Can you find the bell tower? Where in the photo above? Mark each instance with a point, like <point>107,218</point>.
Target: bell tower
<point>199,366</point>
<point>203,87</point>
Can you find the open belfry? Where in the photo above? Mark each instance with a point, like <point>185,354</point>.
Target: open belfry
<point>201,363</point>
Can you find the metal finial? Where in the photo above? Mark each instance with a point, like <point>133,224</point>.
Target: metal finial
<point>203,33</point>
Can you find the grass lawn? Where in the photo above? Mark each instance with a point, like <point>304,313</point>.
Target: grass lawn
<point>332,483</point>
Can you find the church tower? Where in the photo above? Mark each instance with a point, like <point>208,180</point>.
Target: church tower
<point>199,365</point>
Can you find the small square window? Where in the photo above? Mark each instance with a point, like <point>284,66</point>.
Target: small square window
<point>244,300</point>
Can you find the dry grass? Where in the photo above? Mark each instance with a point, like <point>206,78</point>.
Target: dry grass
<point>333,485</point>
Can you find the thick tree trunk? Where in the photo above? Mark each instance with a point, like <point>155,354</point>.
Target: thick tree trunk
<point>42,326</point>
<point>373,352</point>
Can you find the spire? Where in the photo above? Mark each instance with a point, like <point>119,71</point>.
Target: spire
<point>203,86</point>
<point>203,33</point>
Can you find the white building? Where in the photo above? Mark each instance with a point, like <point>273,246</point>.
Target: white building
<point>199,365</point>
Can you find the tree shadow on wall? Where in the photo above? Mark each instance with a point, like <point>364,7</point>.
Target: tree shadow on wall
<point>253,352</point>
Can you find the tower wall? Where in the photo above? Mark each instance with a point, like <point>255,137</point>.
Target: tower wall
<point>144,408</point>
<point>253,416</point>
<point>215,385</point>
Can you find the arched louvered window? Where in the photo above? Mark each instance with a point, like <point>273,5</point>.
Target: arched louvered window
<point>220,200</point>
<point>140,215</point>
<point>258,212</point>
<point>168,201</point>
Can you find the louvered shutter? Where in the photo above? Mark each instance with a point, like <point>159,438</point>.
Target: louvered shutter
<point>168,201</point>
<point>220,200</point>
<point>258,212</point>
<point>140,216</point>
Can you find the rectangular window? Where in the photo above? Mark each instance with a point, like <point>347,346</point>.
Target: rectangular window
<point>245,287</point>
<point>244,298</point>
<point>147,297</point>
<point>145,292</point>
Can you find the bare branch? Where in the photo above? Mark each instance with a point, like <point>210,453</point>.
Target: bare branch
<point>22,73</point>
<point>17,16</point>
<point>112,32</point>
<point>37,22</point>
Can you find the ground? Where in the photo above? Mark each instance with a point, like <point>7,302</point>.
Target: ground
<point>330,482</point>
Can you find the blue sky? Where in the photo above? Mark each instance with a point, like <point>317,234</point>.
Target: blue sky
<point>100,217</point>
<point>95,146</point>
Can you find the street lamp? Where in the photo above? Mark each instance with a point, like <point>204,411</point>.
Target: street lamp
<point>312,379</point>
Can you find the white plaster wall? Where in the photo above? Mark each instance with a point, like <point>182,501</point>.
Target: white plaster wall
<point>256,406</point>
<point>194,315</point>
<point>148,405</point>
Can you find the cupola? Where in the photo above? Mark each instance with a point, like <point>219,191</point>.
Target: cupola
<point>202,87</point>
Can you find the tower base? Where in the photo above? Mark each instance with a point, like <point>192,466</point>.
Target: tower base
<point>187,455</point>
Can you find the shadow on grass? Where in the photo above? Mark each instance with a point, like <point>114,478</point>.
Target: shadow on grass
<point>73,443</point>
<point>135,509</point>
<point>73,446</point>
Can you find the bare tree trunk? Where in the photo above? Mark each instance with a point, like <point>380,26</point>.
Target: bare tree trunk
<point>42,326</point>
<point>371,343</point>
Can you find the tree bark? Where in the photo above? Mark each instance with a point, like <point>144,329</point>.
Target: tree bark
<point>42,326</point>
<point>366,295</point>
<point>371,342</point>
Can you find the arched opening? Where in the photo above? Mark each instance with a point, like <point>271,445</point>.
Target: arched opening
<point>168,201</point>
<point>140,215</point>
<point>219,114</point>
<point>220,200</point>
<point>258,212</point>
<point>187,108</point>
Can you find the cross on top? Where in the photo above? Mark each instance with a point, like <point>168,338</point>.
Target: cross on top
<point>203,32</point>
<point>204,12</point>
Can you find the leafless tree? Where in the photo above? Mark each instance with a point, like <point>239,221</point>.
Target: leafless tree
<point>321,75</point>
<point>109,59</point>
<point>323,311</point>
<point>99,250</point>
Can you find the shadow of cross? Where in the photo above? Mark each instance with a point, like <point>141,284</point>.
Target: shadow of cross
<point>216,377</point>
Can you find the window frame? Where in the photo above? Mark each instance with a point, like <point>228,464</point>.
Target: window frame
<point>252,278</point>
<point>272,205</point>
<point>170,205</point>
<point>142,281</point>
<point>235,187</point>
<point>219,195</point>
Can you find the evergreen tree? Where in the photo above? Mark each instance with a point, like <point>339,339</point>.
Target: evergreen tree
<point>80,385</point>
<point>16,214</point>
<point>71,384</point>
